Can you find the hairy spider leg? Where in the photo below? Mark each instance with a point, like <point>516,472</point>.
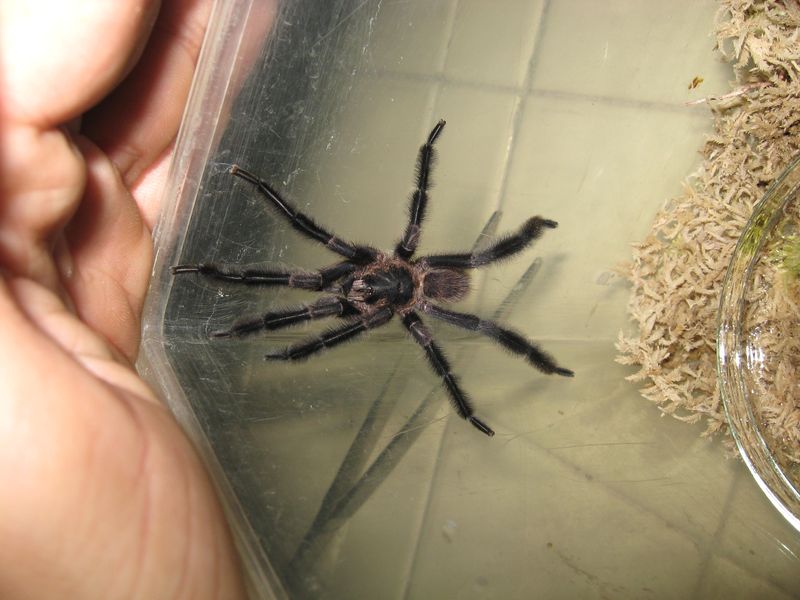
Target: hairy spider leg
<point>333,337</point>
<point>510,340</point>
<point>307,280</point>
<point>506,246</point>
<point>305,225</point>
<point>419,198</point>
<point>439,363</point>
<point>328,306</point>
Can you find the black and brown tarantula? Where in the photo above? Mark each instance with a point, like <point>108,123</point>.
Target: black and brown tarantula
<point>369,287</point>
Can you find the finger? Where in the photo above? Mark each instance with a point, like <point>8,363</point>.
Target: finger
<point>153,96</point>
<point>47,313</point>
<point>93,477</point>
<point>42,175</point>
<point>74,53</point>
<point>110,253</point>
<point>55,421</point>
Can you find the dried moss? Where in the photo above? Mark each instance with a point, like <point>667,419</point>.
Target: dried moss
<point>676,272</point>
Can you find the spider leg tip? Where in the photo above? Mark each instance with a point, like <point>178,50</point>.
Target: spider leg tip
<point>176,269</point>
<point>481,426</point>
<point>550,223</point>
<point>565,372</point>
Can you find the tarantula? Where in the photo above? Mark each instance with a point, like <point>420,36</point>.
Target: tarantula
<point>369,286</point>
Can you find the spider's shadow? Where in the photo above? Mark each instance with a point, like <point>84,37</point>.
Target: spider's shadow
<point>355,482</point>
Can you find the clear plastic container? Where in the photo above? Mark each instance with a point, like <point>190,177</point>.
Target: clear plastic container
<point>349,475</point>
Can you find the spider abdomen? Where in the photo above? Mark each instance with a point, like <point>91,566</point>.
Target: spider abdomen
<point>447,285</point>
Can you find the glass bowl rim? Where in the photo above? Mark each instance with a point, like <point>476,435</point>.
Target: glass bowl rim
<point>767,472</point>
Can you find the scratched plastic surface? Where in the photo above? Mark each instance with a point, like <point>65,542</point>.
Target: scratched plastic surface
<point>349,476</point>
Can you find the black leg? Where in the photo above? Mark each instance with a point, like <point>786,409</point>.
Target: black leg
<point>313,280</point>
<point>419,198</point>
<point>510,340</point>
<point>439,363</point>
<point>329,306</point>
<point>502,248</point>
<point>333,337</point>
<point>305,225</point>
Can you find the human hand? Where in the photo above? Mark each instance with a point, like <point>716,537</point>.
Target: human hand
<point>101,494</point>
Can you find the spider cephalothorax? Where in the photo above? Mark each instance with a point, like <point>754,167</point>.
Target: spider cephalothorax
<point>391,281</point>
<point>369,287</point>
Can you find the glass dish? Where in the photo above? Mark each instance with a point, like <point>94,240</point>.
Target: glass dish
<point>757,338</point>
